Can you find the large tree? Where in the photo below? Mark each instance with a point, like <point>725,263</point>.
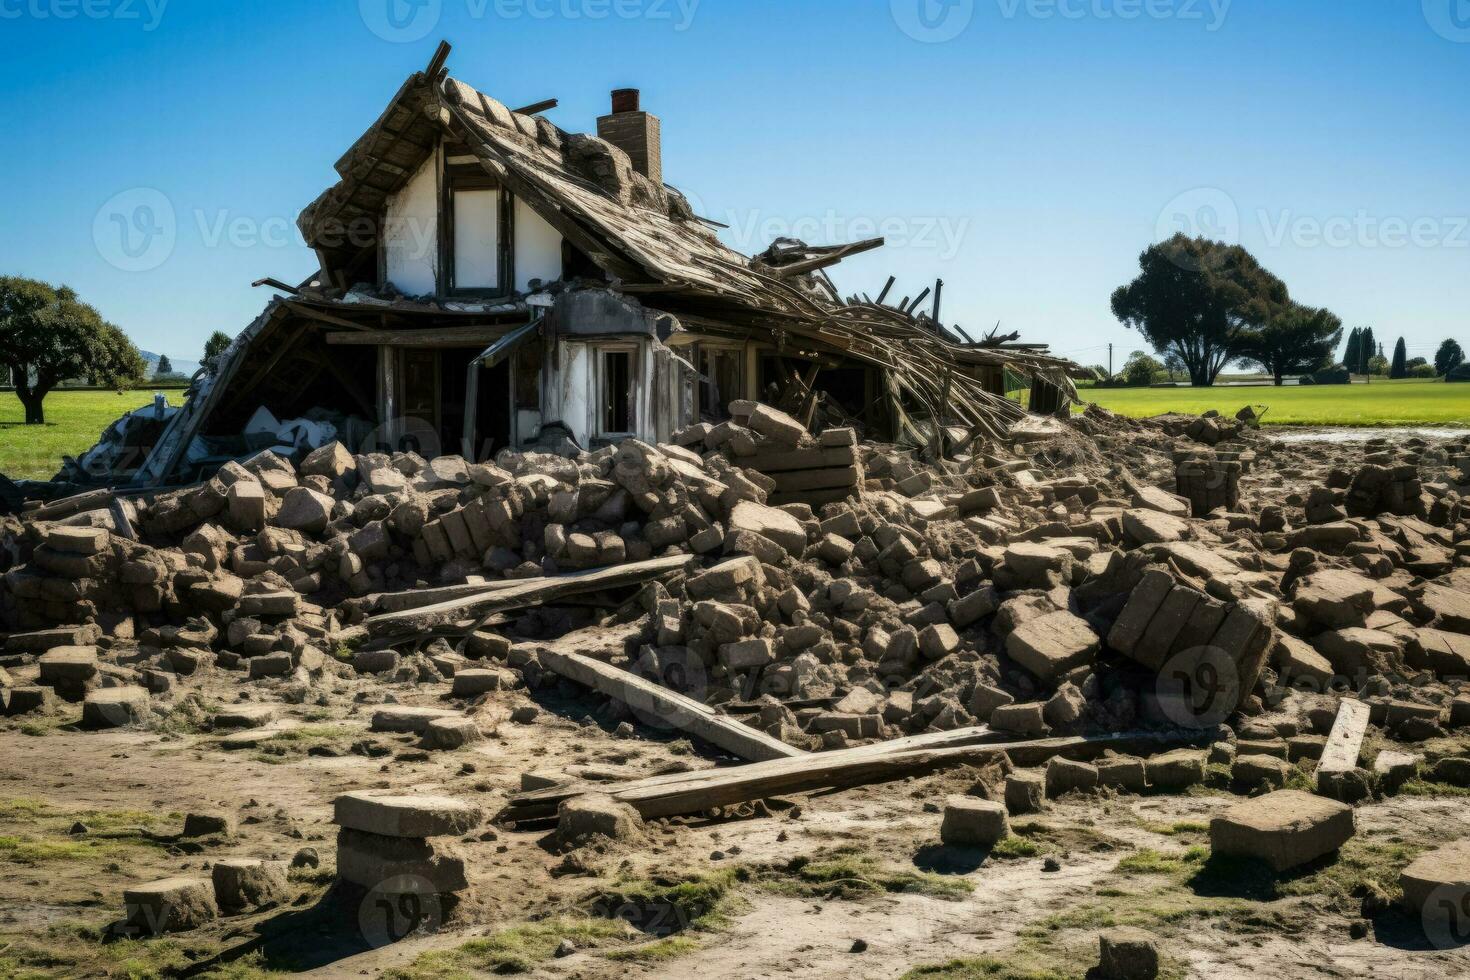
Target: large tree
<point>1400,366</point>
<point>165,366</point>
<point>1448,357</point>
<point>1296,340</point>
<point>1199,300</point>
<point>48,336</point>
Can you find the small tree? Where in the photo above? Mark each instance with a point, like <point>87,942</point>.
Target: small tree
<point>216,345</point>
<point>47,335</point>
<point>1378,365</point>
<point>165,366</point>
<point>1199,300</point>
<point>1448,357</point>
<point>1354,346</point>
<point>1296,340</point>
<point>1400,366</point>
<point>1140,369</point>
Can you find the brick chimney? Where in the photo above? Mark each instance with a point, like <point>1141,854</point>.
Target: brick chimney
<point>635,132</point>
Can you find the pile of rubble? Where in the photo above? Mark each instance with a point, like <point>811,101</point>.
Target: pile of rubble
<point>1093,580</point>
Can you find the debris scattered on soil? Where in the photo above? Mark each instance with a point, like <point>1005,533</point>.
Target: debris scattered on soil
<point>1095,606</point>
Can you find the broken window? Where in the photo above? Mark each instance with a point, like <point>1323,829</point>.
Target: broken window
<point>616,395</point>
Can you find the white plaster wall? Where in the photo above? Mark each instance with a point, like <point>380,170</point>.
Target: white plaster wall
<point>537,248</point>
<point>576,391</point>
<point>411,233</point>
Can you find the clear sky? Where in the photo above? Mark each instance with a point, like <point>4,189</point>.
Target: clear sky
<point>1023,150</point>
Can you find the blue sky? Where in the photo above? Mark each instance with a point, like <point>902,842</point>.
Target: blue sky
<point>1023,150</point>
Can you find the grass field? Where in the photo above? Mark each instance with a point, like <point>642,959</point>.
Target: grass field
<point>74,420</point>
<point>1382,403</point>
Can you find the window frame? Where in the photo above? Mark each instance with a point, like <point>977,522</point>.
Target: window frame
<point>472,178</point>
<point>600,381</point>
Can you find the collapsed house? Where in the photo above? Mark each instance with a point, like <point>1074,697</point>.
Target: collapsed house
<point>488,281</point>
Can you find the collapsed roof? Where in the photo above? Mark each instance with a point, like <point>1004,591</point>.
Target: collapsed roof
<point>644,239</point>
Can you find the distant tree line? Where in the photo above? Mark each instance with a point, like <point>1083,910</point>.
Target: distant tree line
<point>1203,305</point>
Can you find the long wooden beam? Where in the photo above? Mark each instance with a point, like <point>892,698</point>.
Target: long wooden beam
<point>697,792</point>
<point>524,593</point>
<point>653,703</point>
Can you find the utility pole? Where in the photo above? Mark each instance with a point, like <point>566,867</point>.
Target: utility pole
<point>1110,362</point>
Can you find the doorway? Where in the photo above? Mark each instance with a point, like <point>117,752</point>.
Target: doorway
<point>432,389</point>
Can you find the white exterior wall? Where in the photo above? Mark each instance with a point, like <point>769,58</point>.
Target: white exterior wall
<point>537,247</point>
<point>577,395</point>
<point>578,381</point>
<point>411,233</point>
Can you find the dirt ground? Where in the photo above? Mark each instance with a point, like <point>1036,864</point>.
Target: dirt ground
<point>851,883</point>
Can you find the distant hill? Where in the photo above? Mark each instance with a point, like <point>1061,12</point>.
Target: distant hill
<point>180,365</point>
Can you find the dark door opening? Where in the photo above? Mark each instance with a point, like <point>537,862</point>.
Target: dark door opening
<point>617,410</point>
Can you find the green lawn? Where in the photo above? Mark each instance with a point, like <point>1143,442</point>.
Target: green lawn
<point>74,420</point>
<point>1382,403</point>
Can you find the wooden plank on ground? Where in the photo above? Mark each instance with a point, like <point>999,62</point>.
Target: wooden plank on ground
<point>418,598</point>
<point>574,657</point>
<point>697,792</point>
<point>524,593</point>
<point>67,506</point>
<point>1345,742</point>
